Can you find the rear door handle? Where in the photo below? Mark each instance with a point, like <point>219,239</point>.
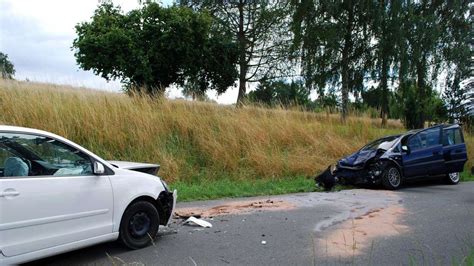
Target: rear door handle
<point>436,153</point>
<point>7,193</point>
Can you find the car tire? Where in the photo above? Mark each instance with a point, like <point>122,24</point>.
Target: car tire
<point>139,225</point>
<point>391,177</point>
<point>453,178</point>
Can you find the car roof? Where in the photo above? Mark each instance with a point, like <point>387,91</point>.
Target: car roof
<point>26,130</point>
<point>444,126</point>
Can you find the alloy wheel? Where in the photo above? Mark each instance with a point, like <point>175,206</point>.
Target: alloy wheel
<point>394,177</point>
<point>454,177</point>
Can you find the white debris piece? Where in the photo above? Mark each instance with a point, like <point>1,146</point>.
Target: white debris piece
<point>196,221</point>
<point>264,242</point>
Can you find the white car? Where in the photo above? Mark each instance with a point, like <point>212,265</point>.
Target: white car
<point>56,196</point>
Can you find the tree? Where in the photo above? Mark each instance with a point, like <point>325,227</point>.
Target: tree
<point>260,30</point>
<point>386,31</point>
<point>458,61</point>
<point>7,69</point>
<point>334,38</point>
<point>281,93</point>
<point>152,47</point>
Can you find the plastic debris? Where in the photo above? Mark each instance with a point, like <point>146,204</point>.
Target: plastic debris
<point>264,242</point>
<point>195,221</point>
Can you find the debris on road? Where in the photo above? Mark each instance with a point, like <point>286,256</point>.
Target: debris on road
<point>236,207</point>
<point>195,221</point>
<point>264,242</point>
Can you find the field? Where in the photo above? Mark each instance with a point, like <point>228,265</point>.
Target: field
<point>197,144</point>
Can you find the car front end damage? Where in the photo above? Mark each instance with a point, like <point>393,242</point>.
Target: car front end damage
<point>364,167</point>
<point>361,168</point>
<point>166,204</point>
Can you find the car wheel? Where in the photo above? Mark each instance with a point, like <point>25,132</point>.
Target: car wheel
<point>139,225</point>
<point>453,178</point>
<point>391,178</point>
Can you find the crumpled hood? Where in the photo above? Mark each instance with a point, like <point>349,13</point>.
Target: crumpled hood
<point>147,168</point>
<point>358,158</point>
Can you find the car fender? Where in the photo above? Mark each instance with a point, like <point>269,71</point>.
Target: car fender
<point>393,161</point>
<point>130,185</point>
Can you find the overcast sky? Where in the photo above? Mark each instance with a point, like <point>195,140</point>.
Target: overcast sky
<point>37,36</point>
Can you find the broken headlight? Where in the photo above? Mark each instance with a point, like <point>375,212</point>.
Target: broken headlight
<point>333,168</point>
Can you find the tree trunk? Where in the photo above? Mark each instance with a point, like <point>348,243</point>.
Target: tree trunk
<point>385,68</point>
<point>421,88</point>
<point>384,86</point>
<point>345,64</point>
<point>242,58</point>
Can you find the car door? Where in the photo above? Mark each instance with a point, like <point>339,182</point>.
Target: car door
<point>454,149</point>
<point>425,156</point>
<point>48,195</point>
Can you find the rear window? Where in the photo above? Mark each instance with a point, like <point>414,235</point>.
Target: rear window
<point>452,136</point>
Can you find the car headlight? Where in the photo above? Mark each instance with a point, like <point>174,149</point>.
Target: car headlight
<point>165,185</point>
<point>333,168</point>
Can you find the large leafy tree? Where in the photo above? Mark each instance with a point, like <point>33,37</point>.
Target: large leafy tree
<point>7,70</point>
<point>458,62</point>
<point>334,38</point>
<point>419,57</point>
<point>260,30</point>
<point>152,47</point>
<point>433,39</point>
<point>385,28</point>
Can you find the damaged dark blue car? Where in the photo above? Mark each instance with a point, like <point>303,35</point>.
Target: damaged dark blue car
<point>391,160</point>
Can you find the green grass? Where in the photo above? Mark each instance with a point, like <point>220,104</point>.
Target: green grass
<point>206,189</point>
<point>468,260</point>
<point>227,188</point>
<point>466,176</point>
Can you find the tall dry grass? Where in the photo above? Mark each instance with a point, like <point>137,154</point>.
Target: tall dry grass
<point>191,140</point>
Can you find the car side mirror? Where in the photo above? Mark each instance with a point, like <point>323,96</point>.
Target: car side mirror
<point>406,149</point>
<point>99,168</point>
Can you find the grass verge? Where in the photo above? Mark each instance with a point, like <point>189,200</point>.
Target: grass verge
<point>228,188</point>
<point>206,189</point>
<point>467,176</point>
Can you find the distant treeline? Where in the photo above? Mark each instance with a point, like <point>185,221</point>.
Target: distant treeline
<point>408,59</point>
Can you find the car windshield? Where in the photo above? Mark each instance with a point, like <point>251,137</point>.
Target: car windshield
<point>383,143</point>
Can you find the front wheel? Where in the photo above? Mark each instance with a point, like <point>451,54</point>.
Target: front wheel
<point>453,178</point>
<point>139,225</point>
<point>391,178</point>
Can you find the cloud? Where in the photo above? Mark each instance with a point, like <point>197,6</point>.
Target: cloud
<point>42,52</point>
<point>38,35</point>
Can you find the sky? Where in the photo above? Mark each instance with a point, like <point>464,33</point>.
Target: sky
<point>37,37</point>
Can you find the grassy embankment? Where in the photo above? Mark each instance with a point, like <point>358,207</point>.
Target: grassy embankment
<point>205,150</point>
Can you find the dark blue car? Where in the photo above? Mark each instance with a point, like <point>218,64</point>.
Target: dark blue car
<point>434,151</point>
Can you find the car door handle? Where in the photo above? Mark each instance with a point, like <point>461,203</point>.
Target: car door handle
<point>436,153</point>
<point>9,193</point>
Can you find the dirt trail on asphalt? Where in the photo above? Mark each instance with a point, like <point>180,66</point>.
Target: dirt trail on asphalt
<point>235,207</point>
<point>363,217</point>
<point>356,236</point>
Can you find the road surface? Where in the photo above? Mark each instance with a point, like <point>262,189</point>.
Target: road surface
<point>419,224</point>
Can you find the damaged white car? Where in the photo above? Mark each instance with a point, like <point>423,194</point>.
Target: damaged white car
<point>56,196</point>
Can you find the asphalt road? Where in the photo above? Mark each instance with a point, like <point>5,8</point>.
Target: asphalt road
<point>419,224</point>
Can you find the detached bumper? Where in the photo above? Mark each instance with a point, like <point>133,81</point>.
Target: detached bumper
<point>167,202</point>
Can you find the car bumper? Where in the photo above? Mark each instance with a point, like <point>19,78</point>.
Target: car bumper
<point>346,176</point>
<point>175,196</point>
<point>167,204</point>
